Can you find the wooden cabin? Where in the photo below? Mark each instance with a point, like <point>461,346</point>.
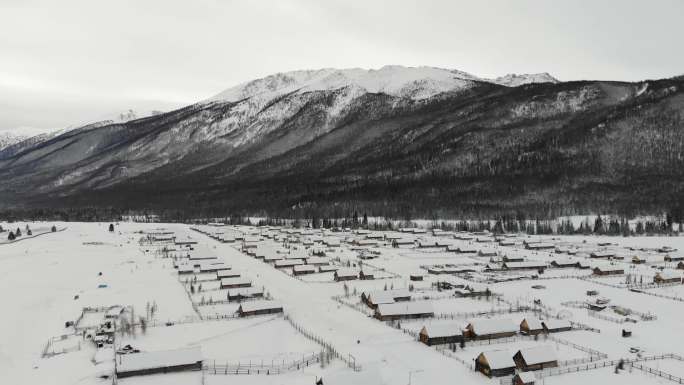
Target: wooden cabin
<point>535,358</point>
<point>303,269</point>
<point>531,326</point>
<point>345,275</point>
<point>441,334</point>
<point>233,283</point>
<point>556,325</point>
<point>602,255</point>
<point>259,307</point>
<point>608,270</point>
<point>495,363</point>
<point>507,258</point>
<point>404,310</point>
<point>667,276</point>
<point>144,363</point>
<point>378,297</point>
<point>485,329</point>
<point>565,263</point>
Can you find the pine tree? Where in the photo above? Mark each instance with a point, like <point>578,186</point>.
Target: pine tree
<point>11,236</point>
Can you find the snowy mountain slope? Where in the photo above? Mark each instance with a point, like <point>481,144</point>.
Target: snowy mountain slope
<point>375,130</point>
<point>513,80</point>
<point>8,138</point>
<point>412,82</point>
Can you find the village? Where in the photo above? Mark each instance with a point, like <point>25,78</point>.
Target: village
<point>139,303</point>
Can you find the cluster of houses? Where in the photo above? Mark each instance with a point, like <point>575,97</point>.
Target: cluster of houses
<point>500,363</point>
<point>304,251</point>
<point>488,329</point>
<point>238,288</point>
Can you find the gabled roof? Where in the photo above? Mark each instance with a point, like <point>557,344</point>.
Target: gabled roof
<point>405,308</point>
<point>250,306</point>
<point>235,281</point>
<point>493,326</point>
<point>499,359</point>
<point>538,354</point>
<point>158,359</point>
<point>442,330</point>
<point>534,323</point>
<point>304,268</point>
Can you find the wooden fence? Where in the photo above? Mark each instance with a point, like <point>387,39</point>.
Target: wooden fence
<point>346,358</point>
<point>211,367</point>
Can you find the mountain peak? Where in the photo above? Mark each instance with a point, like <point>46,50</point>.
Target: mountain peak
<point>396,80</point>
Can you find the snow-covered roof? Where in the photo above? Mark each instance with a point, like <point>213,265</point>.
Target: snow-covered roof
<point>538,354</point>
<point>288,262</point>
<point>346,272</point>
<point>405,308</point>
<point>669,274</point>
<point>304,268</point>
<point>493,326</point>
<point>556,323</point>
<point>235,281</point>
<point>534,323</point>
<point>499,359</point>
<point>442,330</point>
<point>317,260</point>
<point>260,305</point>
<point>245,291</point>
<point>158,359</point>
<point>526,264</point>
<point>526,377</point>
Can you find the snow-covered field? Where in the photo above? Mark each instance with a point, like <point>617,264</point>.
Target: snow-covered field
<point>48,280</point>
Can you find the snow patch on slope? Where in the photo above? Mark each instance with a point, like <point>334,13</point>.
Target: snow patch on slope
<point>514,80</point>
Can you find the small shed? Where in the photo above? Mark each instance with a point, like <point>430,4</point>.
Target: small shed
<point>416,277</point>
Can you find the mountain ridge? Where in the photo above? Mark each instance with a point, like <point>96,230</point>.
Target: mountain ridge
<point>471,147</point>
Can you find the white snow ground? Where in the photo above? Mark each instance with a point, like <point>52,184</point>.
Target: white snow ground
<point>39,278</point>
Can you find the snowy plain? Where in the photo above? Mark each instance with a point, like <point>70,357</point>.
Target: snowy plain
<point>47,280</point>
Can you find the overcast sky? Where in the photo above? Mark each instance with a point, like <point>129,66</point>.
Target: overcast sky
<point>67,62</point>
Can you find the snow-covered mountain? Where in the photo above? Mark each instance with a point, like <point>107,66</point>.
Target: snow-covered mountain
<point>410,82</point>
<point>513,80</point>
<point>321,135</point>
<point>9,138</point>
